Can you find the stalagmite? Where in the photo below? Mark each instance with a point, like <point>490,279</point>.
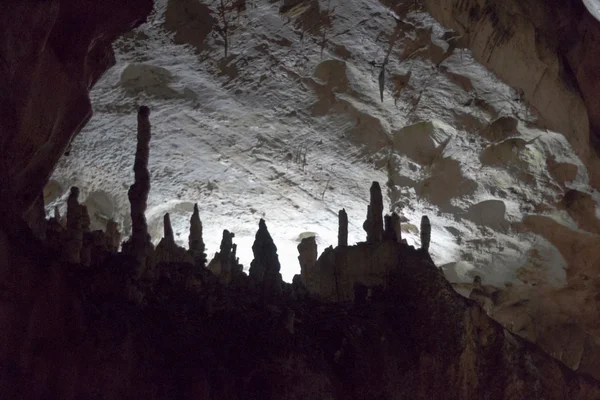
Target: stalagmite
<point>167,250</point>
<point>308,257</point>
<point>196,244</point>
<point>343,228</point>
<point>56,214</point>
<point>226,264</point>
<point>113,236</point>
<point>139,244</point>
<point>74,235</point>
<point>374,222</point>
<point>265,267</point>
<point>397,226</point>
<point>168,230</point>
<point>425,233</point>
<point>389,232</point>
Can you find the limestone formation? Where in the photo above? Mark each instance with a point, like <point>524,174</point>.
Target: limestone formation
<point>139,244</point>
<point>74,235</point>
<point>113,236</point>
<point>265,266</point>
<point>168,229</point>
<point>343,228</point>
<point>389,233</point>
<point>167,250</point>
<point>226,264</point>
<point>425,233</point>
<point>374,222</point>
<point>308,256</point>
<point>196,244</point>
<point>397,226</point>
<point>56,213</point>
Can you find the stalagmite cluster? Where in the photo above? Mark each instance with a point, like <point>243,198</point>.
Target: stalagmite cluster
<point>226,264</point>
<point>167,250</point>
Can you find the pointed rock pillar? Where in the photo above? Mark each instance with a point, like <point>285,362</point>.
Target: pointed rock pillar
<point>374,222</point>
<point>265,267</point>
<point>342,228</point>
<point>425,233</point>
<point>195,242</point>
<point>397,226</point>
<point>389,233</point>
<point>139,244</point>
<point>226,264</point>
<point>113,236</point>
<point>167,250</point>
<point>74,235</point>
<point>308,258</point>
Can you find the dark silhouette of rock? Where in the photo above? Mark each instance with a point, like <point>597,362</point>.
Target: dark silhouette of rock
<point>374,222</point>
<point>265,266</point>
<point>74,234</point>
<point>342,228</point>
<point>113,236</point>
<point>139,244</point>
<point>389,233</point>
<point>308,256</point>
<point>225,264</point>
<point>167,250</point>
<point>425,233</point>
<point>396,225</point>
<point>195,242</point>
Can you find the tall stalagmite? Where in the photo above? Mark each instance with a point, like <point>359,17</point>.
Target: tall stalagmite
<point>342,228</point>
<point>113,236</point>
<point>308,257</point>
<point>195,242</point>
<point>425,233</point>
<point>265,267</point>
<point>139,244</point>
<point>397,226</point>
<point>374,222</point>
<point>74,240</point>
<point>168,229</point>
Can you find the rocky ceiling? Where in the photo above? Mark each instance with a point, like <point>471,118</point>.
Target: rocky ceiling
<point>487,124</point>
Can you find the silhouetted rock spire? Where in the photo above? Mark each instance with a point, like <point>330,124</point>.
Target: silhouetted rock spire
<point>113,236</point>
<point>195,242</point>
<point>397,226</point>
<point>374,222</point>
<point>425,233</point>
<point>139,244</point>
<point>225,264</point>
<point>342,228</point>
<point>265,266</point>
<point>167,250</point>
<point>308,256</point>
<point>74,235</point>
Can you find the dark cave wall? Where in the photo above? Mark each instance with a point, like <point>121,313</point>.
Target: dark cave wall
<point>51,55</point>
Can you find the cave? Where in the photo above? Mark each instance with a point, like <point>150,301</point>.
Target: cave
<point>299,199</point>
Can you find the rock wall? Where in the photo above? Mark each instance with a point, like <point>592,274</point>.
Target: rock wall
<point>548,50</point>
<point>51,54</point>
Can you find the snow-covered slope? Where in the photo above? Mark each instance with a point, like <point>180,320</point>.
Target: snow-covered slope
<point>290,127</point>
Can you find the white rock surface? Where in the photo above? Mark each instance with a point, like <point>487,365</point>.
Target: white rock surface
<point>290,128</point>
